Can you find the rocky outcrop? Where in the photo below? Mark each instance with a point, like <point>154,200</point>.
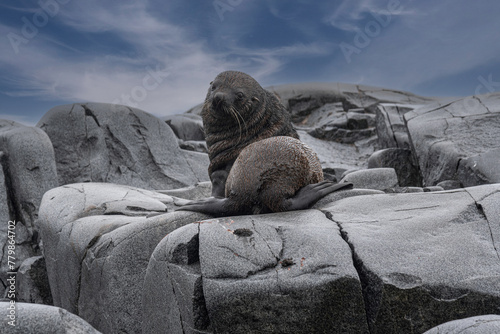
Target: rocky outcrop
<point>278,273</point>
<point>457,141</point>
<point>28,171</point>
<point>302,99</point>
<point>380,263</point>
<point>41,319</point>
<point>189,130</point>
<point>97,142</point>
<point>186,126</point>
<point>403,162</point>
<point>391,126</point>
<point>424,258</point>
<point>98,240</point>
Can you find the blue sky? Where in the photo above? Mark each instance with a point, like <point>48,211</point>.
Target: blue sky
<point>160,55</point>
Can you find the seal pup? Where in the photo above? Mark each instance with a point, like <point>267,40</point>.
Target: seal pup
<point>272,175</point>
<point>236,113</point>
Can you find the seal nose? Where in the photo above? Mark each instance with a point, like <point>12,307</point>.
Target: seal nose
<point>217,99</point>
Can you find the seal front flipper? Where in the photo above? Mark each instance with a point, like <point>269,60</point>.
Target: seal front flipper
<point>310,194</point>
<point>212,205</point>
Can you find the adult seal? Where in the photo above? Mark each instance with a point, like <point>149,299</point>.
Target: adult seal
<point>272,175</point>
<point>236,113</point>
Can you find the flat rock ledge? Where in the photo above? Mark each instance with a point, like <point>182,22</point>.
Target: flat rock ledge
<point>378,263</point>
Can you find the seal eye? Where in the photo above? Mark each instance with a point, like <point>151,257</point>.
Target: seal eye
<point>240,95</point>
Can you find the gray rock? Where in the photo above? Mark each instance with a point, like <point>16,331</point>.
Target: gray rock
<point>391,127</point>
<point>97,142</point>
<point>403,163</point>
<point>279,273</point>
<point>98,241</point>
<point>186,126</point>
<point>330,122</point>
<point>433,188</point>
<point>358,110</point>
<point>301,99</point>
<point>458,141</point>
<point>42,319</point>
<point>404,190</point>
<point>195,146</point>
<point>375,178</point>
<point>484,324</point>
<point>338,195</point>
<point>196,110</point>
<point>4,218</point>
<point>449,184</point>
<point>337,156</point>
<point>358,121</point>
<point>330,113</point>
<point>32,282</point>
<point>339,135</point>
<point>424,258</point>
<point>198,191</point>
<point>28,171</point>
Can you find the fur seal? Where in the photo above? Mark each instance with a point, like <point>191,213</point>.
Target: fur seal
<point>257,163</point>
<point>236,113</point>
<point>272,175</point>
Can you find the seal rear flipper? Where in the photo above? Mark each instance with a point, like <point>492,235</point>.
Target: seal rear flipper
<point>212,205</point>
<point>310,194</point>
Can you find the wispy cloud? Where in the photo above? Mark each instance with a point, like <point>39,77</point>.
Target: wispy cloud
<point>350,14</point>
<point>110,78</point>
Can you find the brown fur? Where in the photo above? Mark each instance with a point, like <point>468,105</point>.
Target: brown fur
<point>268,173</point>
<point>238,112</point>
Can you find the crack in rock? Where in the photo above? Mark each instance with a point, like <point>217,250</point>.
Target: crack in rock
<point>265,241</point>
<point>371,284</point>
<point>480,210</point>
<point>170,275</point>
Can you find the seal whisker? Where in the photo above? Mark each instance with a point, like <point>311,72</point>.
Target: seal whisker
<point>238,115</point>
